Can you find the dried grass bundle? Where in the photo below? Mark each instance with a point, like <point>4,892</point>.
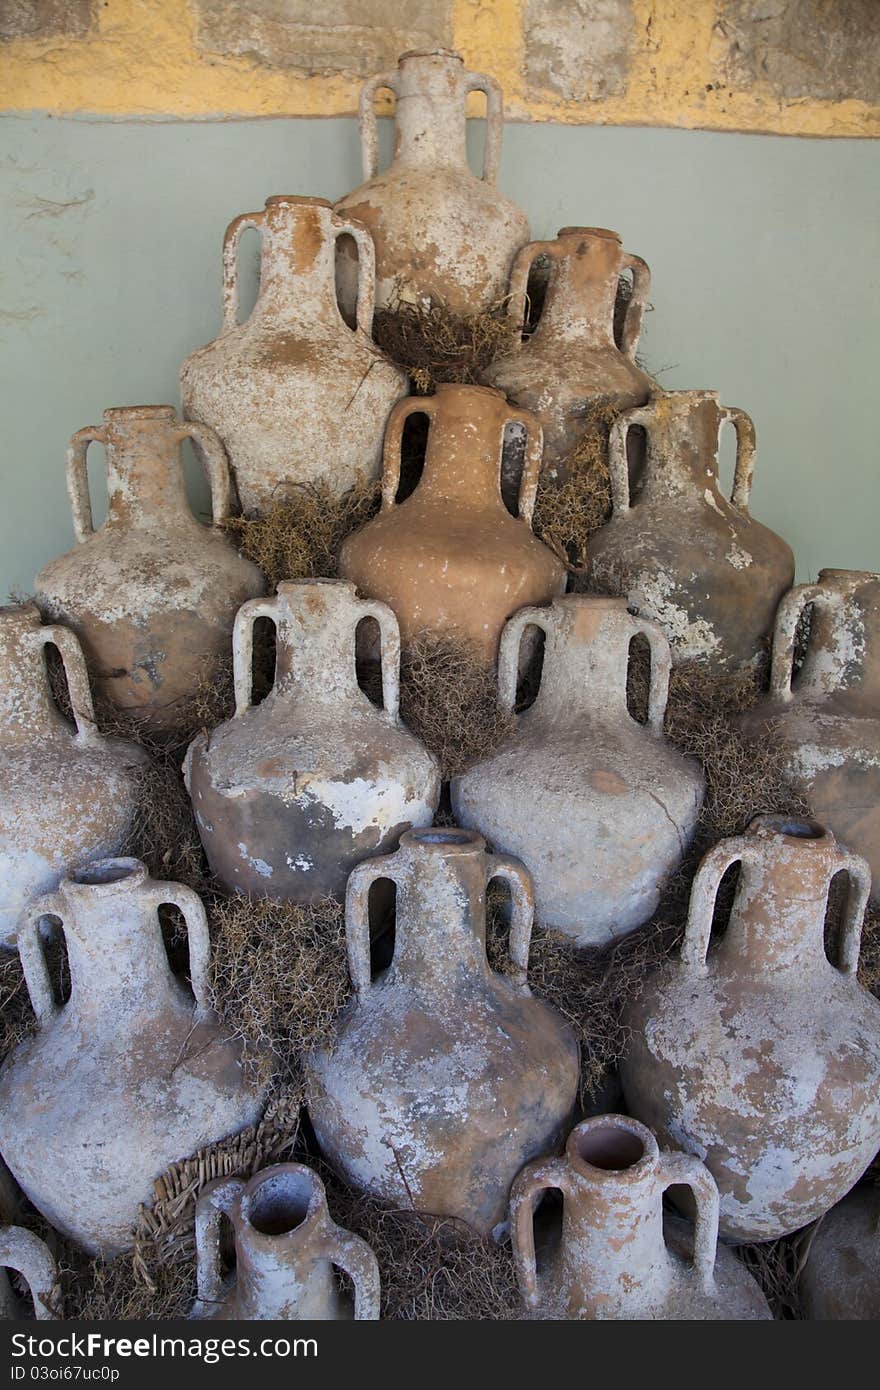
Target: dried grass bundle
<point>280,977</point>
<point>299,536</point>
<point>449,698</point>
<point>433,345</point>
<point>777,1266</point>
<point>567,513</point>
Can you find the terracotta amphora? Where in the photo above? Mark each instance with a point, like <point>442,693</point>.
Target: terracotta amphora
<point>679,551</point>
<point>615,1257</point>
<point>599,806</point>
<point>294,393</point>
<point>27,1256</point>
<point>450,559</point>
<point>445,1076</point>
<point>152,593</point>
<point>287,1251</point>
<point>442,235</point>
<point>289,795</point>
<point>67,793</point>
<point>571,366</point>
<point>759,1054</point>
<point>827,717</point>
<point>134,1072</point>
<point>841,1277</point>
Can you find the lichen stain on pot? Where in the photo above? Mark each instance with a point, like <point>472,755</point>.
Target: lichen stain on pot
<point>291,794</point>
<point>67,794</point>
<point>681,552</point>
<point>287,1252</point>
<point>762,1057</point>
<point>442,235</point>
<point>152,593</point>
<point>826,717</point>
<point>599,806</point>
<point>571,366</point>
<point>296,395</point>
<point>617,1254</point>
<point>443,1074</point>
<point>132,1074</point>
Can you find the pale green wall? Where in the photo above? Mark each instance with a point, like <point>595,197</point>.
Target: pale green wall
<point>763,249</point>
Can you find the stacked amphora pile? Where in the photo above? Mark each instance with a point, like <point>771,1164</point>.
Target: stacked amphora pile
<point>447,1085</point>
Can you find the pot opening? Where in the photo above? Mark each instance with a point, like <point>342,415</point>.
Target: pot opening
<point>140,412</point>
<point>793,826</point>
<point>610,1148</point>
<point>281,1203</point>
<point>589,231</point>
<point>107,871</point>
<point>448,837</point>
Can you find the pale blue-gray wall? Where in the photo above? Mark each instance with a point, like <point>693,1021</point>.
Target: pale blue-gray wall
<point>763,250</point>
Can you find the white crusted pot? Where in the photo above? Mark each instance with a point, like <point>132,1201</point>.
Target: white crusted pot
<point>444,1076</point>
<point>442,235</point>
<point>676,548</point>
<point>841,1278</point>
<point>66,795</point>
<point>600,807</point>
<point>294,393</point>
<point>26,1255</point>
<point>291,794</point>
<point>152,593</point>
<point>571,365</point>
<point>132,1074</point>
<point>827,717</point>
<point>612,1258</point>
<point>287,1248</point>
<point>760,1055</point>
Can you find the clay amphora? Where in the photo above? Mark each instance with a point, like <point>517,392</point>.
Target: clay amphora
<point>760,1055</point>
<point>827,718</point>
<point>152,593</point>
<point>679,551</point>
<point>132,1074</point>
<point>841,1278</point>
<point>450,559</point>
<point>291,794</point>
<point>286,1247</point>
<point>445,1077</point>
<point>613,1259</point>
<point>294,393</point>
<point>571,365</point>
<point>600,807</point>
<point>67,794</point>
<point>23,1252</point>
<point>442,235</point>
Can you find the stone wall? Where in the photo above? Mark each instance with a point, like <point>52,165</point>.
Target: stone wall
<point>798,67</point>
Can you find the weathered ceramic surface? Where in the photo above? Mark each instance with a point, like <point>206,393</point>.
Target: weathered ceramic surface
<point>152,593</point>
<point>294,393</point>
<point>450,559</point>
<point>445,1076</point>
<point>600,807</point>
<point>67,794</point>
<point>612,1258</point>
<point>442,235</point>
<point>291,794</point>
<point>132,1074</point>
<point>287,1248</point>
<point>679,551</point>
<point>827,718</point>
<point>571,365</point>
<point>23,1252</point>
<point>760,1055</point>
<point>841,1278</point>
